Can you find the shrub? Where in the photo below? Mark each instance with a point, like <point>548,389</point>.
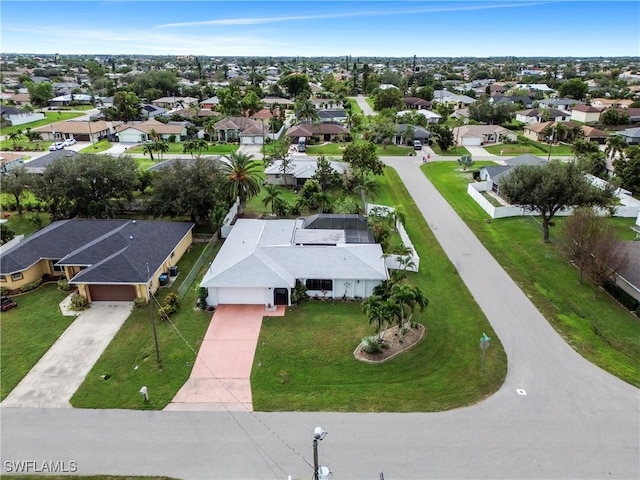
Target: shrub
<point>299,293</point>
<point>203,293</point>
<point>63,285</point>
<point>78,302</point>
<point>371,344</point>
<point>36,219</point>
<point>169,306</point>
<point>30,286</point>
<point>139,303</point>
<point>4,291</point>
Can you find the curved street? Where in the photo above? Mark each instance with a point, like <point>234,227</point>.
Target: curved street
<point>556,416</point>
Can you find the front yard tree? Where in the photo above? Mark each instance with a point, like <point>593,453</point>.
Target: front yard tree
<point>16,182</point>
<point>193,190</point>
<point>127,106</point>
<point>443,136</point>
<point>362,159</point>
<point>615,146</point>
<point>388,98</point>
<point>608,256</point>
<point>582,148</point>
<point>614,116</point>
<point>195,145</point>
<point>86,185</point>
<point>251,103</point>
<point>382,130</point>
<point>271,194</point>
<point>305,110</point>
<point>574,88</point>
<point>15,137</point>
<point>465,161</point>
<point>241,177</point>
<point>40,93</point>
<point>296,84</point>
<point>549,188</point>
<point>326,176</point>
<point>627,169</point>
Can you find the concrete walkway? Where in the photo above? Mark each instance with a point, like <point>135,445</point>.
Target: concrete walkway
<point>220,379</point>
<point>364,106</point>
<point>58,374</point>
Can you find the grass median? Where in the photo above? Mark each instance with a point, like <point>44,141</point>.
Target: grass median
<point>594,325</point>
<point>304,361</point>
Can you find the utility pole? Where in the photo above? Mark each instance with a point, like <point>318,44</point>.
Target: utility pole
<point>153,319</point>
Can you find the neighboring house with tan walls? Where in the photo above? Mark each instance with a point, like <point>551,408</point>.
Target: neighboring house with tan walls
<point>107,260</point>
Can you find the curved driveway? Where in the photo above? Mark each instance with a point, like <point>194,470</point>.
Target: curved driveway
<point>575,421</point>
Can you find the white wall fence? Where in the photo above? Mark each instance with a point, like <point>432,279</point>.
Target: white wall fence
<point>398,262</point>
<point>629,207</point>
<point>226,223</point>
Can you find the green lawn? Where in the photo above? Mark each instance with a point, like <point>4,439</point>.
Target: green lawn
<point>98,147</point>
<point>355,108</point>
<point>529,146</point>
<point>130,357</point>
<point>337,150</point>
<point>452,151</point>
<point>50,117</point>
<point>214,149</point>
<point>145,162</point>
<point>595,326</point>
<point>304,361</point>
<point>27,333</point>
<point>23,224</point>
<point>371,103</point>
<point>254,206</point>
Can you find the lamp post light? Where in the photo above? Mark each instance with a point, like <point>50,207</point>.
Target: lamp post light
<point>321,472</point>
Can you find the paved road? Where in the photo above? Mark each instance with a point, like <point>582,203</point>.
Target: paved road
<point>575,421</point>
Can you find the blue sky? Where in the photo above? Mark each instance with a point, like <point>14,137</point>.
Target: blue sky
<point>476,28</point>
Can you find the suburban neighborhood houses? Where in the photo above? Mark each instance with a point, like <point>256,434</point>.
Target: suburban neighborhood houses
<point>245,245</point>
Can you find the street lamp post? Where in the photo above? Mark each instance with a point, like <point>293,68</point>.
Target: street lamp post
<point>320,472</point>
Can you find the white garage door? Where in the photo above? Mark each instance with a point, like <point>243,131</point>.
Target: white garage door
<point>243,296</point>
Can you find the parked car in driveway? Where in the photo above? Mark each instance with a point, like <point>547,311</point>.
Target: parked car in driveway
<point>417,144</point>
<point>7,304</point>
<point>56,146</point>
<point>69,141</point>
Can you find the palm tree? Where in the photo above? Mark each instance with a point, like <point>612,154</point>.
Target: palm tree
<point>149,148</point>
<point>196,144</point>
<point>161,147</point>
<point>272,193</point>
<point>209,128</point>
<point>581,148</point>
<point>368,187</point>
<point>15,136</point>
<point>465,161</point>
<point>615,146</point>
<point>576,132</point>
<point>561,132</point>
<point>242,177</point>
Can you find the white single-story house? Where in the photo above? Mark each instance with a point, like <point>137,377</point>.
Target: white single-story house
<point>492,173</point>
<point>431,117</point>
<point>143,131</point>
<point>299,170</point>
<point>261,261</point>
<point>14,116</point>
<point>477,135</point>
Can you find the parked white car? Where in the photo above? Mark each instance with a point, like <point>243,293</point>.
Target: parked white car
<point>56,146</point>
<point>69,141</point>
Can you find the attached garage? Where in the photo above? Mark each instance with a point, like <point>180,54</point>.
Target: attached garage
<point>244,296</point>
<point>112,293</point>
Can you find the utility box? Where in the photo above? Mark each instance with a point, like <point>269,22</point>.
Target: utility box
<point>173,271</point>
<point>163,279</point>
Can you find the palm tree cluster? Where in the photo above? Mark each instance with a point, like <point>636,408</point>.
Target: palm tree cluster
<point>158,146</point>
<point>393,303</point>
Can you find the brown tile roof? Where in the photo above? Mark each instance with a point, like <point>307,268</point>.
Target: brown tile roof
<point>235,123</point>
<point>539,127</point>
<point>20,97</point>
<point>586,108</point>
<point>78,127</point>
<point>309,130</point>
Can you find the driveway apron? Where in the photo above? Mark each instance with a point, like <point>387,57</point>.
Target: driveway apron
<point>58,374</point>
<point>220,379</point>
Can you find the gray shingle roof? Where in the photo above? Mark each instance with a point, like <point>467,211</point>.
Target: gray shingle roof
<point>114,251</point>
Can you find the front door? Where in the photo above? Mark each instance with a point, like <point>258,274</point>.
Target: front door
<point>281,296</point>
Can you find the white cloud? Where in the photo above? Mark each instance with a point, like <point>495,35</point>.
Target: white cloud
<point>370,13</point>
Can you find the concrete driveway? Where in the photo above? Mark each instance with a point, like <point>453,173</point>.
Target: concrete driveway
<point>220,379</point>
<point>478,152</point>
<point>60,371</point>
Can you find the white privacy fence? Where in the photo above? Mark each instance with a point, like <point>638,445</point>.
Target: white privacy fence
<point>628,206</point>
<point>398,262</point>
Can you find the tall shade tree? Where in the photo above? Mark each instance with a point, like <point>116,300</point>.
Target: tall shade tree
<point>241,177</point>
<point>127,106</point>
<point>16,182</point>
<point>547,189</point>
<point>627,169</point>
<point>40,93</point>
<point>86,185</point>
<point>189,189</point>
<point>362,158</point>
